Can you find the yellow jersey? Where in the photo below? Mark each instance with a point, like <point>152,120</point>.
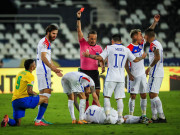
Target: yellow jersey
<point>23,79</point>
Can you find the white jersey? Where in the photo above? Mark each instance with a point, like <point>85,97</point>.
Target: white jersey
<point>132,119</point>
<point>117,55</point>
<point>137,69</point>
<point>95,114</point>
<point>43,46</point>
<point>157,70</point>
<point>78,80</point>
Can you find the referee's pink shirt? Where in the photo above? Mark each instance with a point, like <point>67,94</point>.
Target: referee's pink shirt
<point>88,63</point>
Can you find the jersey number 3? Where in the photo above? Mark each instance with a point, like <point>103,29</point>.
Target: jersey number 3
<point>116,60</point>
<point>18,82</point>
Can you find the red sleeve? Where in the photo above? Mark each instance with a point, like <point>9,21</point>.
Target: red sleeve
<point>130,47</point>
<point>152,47</point>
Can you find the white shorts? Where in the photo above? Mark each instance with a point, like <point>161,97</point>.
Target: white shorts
<point>44,81</point>
<point>154,84</point>
<point>116,87</point>
<point>139,85</point>
<point>69,88</point>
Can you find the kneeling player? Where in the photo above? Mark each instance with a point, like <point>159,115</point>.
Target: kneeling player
<point>24,97</point>
<point>95,114</point>
<point>74,83</point>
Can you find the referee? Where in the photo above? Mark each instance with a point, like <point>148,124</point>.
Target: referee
<point>89,66</point>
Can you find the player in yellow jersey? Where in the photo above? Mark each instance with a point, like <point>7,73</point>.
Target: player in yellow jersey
<point>24,97</point>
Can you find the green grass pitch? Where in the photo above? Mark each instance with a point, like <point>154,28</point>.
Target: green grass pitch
<point>58,113</point>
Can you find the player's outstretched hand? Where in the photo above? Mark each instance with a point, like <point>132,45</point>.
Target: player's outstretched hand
<point>147,71</point>
<point>144,55</point>
<point>59,74</point>
<point>54,69</point>
<point>86,54</point>
<point>79,14</point>
<point>157,18</point>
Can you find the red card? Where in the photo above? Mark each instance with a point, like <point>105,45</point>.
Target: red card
<point>82,9</point>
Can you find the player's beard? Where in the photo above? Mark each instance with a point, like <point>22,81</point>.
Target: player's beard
<point>51,38</point>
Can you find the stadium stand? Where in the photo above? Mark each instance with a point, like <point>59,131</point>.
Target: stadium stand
<point>19,39</point>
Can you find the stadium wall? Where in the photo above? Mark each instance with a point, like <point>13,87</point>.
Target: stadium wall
<point>171,80</point>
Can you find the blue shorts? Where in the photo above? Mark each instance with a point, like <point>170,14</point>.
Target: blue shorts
<point>20,105</point>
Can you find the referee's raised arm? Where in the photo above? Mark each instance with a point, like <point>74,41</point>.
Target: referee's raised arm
<point>80,34</point>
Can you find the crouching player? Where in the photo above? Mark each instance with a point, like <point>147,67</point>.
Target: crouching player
<point>95,114</point>
<point>74,83</point>
<point>24,97</point>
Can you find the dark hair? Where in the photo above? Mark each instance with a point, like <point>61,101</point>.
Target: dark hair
<point>28,63</point>
<point>51,28</point>
<point>134,32</point>
<point>150,32</point>
<point>116,37</point>
<point>92,32</point>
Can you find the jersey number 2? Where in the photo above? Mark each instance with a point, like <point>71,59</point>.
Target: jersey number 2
<point>116,60</point>
<point>18,82</point>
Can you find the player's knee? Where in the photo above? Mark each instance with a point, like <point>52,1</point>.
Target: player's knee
<point>143,96</point>
<point>152,95</point>
<point>133,96</point>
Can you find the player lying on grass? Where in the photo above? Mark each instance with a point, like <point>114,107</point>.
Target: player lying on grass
<point>117,55</point>
<point>95,114</point>
<point>24,97</point>
<point>74,83</point>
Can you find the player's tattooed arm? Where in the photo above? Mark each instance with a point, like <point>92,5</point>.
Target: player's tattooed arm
<point>96,57</point>
<point>156,20</point>
<point>94,95</point>
<point>131,77</point>
<point>156,58</point>
<point>137,59</point>
<point>30,90</point>
<point>80,34</point>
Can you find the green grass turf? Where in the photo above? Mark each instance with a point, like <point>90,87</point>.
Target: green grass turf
<point>58,113</point>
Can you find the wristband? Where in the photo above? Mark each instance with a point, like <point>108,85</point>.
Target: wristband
<point>78,18</point>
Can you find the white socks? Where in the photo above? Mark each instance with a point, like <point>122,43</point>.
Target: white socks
<point>71,109</point>
<point>82,105</point>
<point>159,107</point>
<point>131,106</point>
<point>143,104</point>
<point>153,109</point>
<point>107,107</point>
<point>156,106</point>
<point>120,107</point>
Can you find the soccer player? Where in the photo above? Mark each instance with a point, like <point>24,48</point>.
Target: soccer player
<point>117,55</point>
<point>89,66</point>
<point>74,83</point>
<point>45,63</point>
<point>156,74</point>
<point>136,72</point>
<point>95,114</point>
<point>24,97</point>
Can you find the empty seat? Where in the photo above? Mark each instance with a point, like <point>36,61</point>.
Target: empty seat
<point>68,56</point>
<point>18,26</point>
<point>114,30</point>
<point>12,51</point>
<point>128,21</point>
<point>8,35</point>
<point>105,41</point>
<point>169,55</point>
<point>167,2</point>
<point>64,51</point>
<point>154,12</point>
<point>123,12</point>
<point>164,26</point>
<point>17,36</point>
<point>1,36</point>
<point>68,45</point>
<point>2,27</point>
<point>27,26</point>
<point>122,3</point>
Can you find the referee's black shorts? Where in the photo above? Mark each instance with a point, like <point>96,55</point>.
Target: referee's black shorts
<point>94,74</point>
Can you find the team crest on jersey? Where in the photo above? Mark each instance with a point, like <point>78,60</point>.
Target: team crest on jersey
<point>140,47</point>
<point>132,89</point>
